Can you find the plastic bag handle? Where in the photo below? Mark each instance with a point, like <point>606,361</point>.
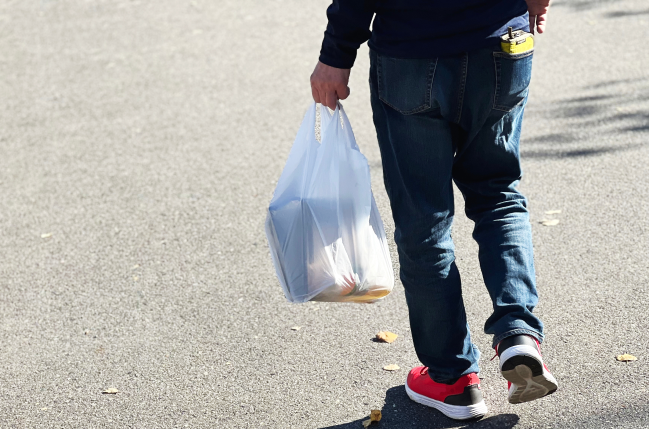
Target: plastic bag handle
<point>343,128</point>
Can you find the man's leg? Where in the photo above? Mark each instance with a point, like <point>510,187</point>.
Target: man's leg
<point>417,152</point>
<point>487,171</point>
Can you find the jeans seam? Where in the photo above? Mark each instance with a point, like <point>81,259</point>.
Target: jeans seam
<point>462,87</point>
<point>513,56</point>
<point>378,75</point>
<point>505,108</point>
<point>497,67</point>
<point>407,112</point>
<point>497,86</point>
<point>431,79</point>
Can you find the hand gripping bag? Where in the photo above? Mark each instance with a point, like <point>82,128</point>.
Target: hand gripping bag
<point>325,233</point>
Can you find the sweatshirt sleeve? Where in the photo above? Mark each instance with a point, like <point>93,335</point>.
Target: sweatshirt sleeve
<point>348,28</point>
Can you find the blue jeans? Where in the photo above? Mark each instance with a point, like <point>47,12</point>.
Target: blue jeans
<point>458,119</point>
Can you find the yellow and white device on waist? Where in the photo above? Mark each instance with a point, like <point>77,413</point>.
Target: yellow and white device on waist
<point>516,41</point>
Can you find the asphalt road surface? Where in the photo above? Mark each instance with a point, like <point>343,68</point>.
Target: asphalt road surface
<point>140,143</point>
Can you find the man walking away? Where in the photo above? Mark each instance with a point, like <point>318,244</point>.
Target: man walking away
<point>449,82</point>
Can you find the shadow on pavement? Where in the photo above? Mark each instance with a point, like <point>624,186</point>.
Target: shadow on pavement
<point>400,412</point>
<point>581,5</point>
<point>623,13</point>
<point>589,5</point>
<point>595,122</point>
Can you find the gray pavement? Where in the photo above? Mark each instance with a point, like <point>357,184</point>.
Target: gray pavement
<point>140,143</point>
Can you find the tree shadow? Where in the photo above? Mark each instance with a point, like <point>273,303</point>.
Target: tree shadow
<point>624,13</point>
<point>587,5</point>
<point>582,5</point>
<point>603,119</point>
<point>400,412</point>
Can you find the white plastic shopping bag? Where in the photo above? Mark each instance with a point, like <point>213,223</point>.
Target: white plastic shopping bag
<point>325,233</point>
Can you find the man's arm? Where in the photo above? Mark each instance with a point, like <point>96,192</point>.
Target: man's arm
<point>538,10</point>
<point>348,28</point>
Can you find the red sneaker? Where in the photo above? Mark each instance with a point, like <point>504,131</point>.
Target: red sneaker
<point>461,400</point>
<point>522,366</point>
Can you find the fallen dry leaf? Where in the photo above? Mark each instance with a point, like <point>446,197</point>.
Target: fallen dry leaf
<point>386,337</point>
<point>549,222</point>
<point>46,235</point>
<point>392,367</point>
<point>626,358</point>
<point>110,391</point>
<point>375,416</point>
<point>552,212</point>
<point>296,328</point>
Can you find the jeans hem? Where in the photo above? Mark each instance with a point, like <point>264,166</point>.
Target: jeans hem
<point>517,331</point>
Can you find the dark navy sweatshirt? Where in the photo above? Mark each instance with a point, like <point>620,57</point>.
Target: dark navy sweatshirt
<point>417,28</point>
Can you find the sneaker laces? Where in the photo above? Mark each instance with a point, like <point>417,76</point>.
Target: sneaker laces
<point>496,350</point>
<point>423,371</point>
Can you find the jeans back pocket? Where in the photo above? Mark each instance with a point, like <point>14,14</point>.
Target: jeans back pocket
<point>513,76</point>
<point>406,84</point>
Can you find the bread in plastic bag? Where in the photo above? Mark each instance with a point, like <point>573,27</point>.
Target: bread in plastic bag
<point>325,233</point>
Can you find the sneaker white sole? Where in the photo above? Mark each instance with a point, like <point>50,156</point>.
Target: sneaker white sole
<point>457,412</point>
<point>523,367</point>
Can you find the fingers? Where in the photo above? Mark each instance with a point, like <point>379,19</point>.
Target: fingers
<point>540,22</point>
<point>329,84</point>
<point>343,92</point>
<point>332,97</point>
<point>326,97</point>
<point>331,100</point>
<point>532,23</point>
<point>538,10</point>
